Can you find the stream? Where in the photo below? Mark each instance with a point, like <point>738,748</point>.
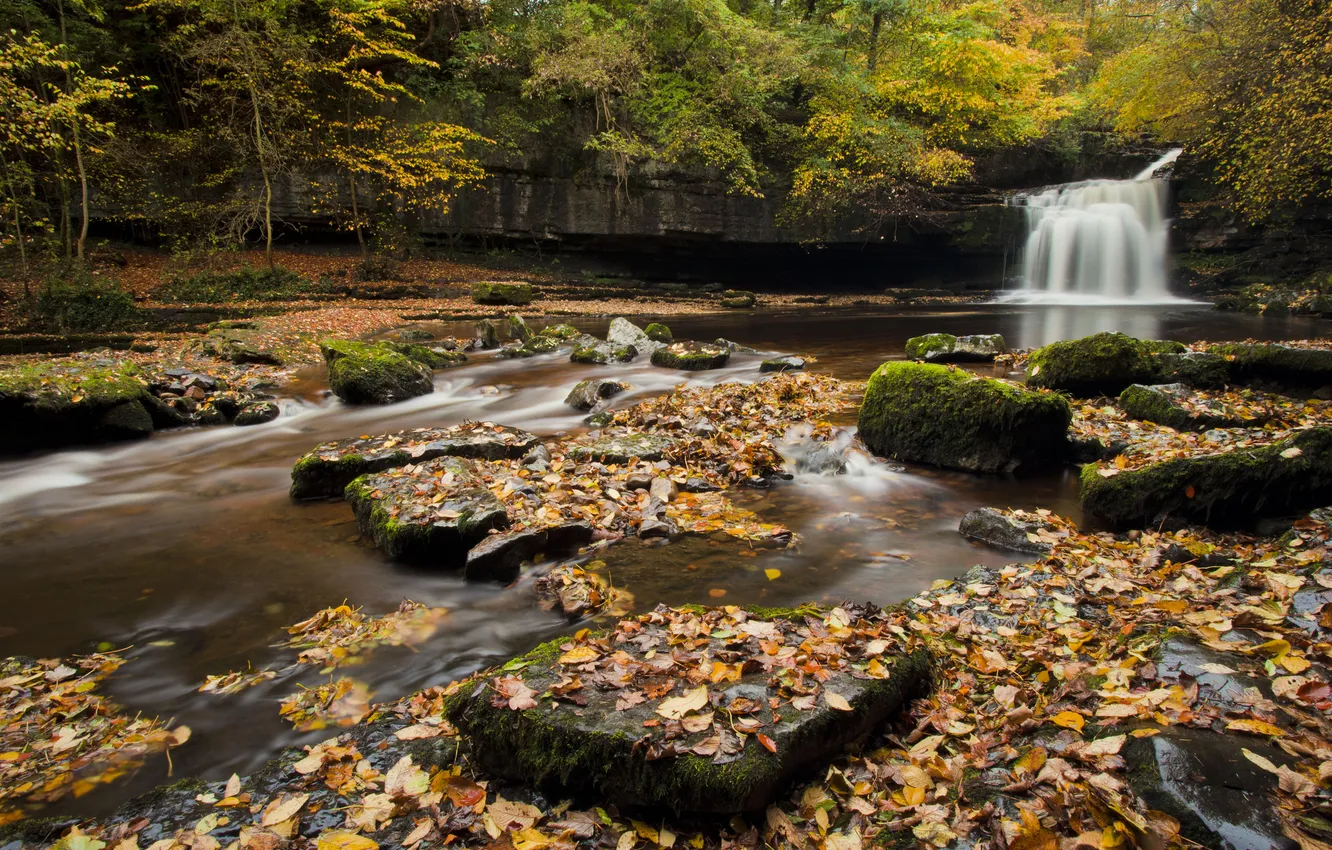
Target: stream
<point>186,550</point>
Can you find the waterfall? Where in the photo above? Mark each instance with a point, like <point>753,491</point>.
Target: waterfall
<point>1097,241</point>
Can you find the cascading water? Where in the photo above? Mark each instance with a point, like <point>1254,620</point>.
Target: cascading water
<point>1097,241</point>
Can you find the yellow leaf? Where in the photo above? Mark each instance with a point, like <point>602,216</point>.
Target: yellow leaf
<point>529,838</point>
<point>341,839</point>
<point>772,574</point>
<point>1294,663</point>
<point>677,707</point>
<point>836,700</point>
<point>580,655</point>
<point>1255,727</point>
<point>1069,720</point>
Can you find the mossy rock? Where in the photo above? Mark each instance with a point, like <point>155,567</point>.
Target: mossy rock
<point>1228,490</point>
<point>256,413</point>
<point>518,329</point>
<point>562,332</point>
<point>433,357</point>
<point>1281,364</point>
<point>926,413</point>
<point>1194,369</point>
<point>657,332</point>
<point>1173,405</point>
<point>58,403</point>
<point>326,471</point>
<point>739,302</point>
<point>399,512</point>
<point>946,348</point>
<point>623,448</point>
<point>532,347</point>
<point>789,363</point>
<point>243,345</point>
<point>691,356</point>
<point>589,393</point>
<point>1101,364</point>
<point>515,294</point>
<point>365,373</point>
<point>625,334</point>
<point>487,334</point>
<point>599,749</point>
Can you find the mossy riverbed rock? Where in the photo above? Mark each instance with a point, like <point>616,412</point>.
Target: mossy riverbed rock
<point>487,335</point>
<point>497,292</point>
<point>53,404</point>
<point>927,413</point>
<point>400,514</point>
<point>326,471</point>
<point>599,353</point>
<point>534,345</point>
<point>1174,405</point>
<point>657,332</point>
<point>625,334</point>
<point>430,356</point>
<point>1100,364</point>
<point>783,364</point>
<point>738,299</point>
<point>518,329</point>
<point>1223,490</point>
<point>1196,369</point>
<point>622,448</point>
<point>1002,531</point>
<point>693,746</point>
<point>946,348</point>
<point>241,345</point>
<point>691,356</point>
<point>1281,364</point>
<point>367,373</point>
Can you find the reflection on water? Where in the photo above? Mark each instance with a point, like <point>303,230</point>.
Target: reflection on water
<point>186,548</point>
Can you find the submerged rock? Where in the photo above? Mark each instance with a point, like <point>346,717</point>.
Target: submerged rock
<point>946,348</point>
<point>687,758</point>
<point>1223,490</point>
<point>589,393</point>
<point>1282,364</point>
<point>1202,779</point>
<point>1101,364</point>
<point>1175,406</point>
<point>783,364</point>
<point>1003,531</point>
<point>326,471</point>
<point>515,294</point>
<point>933,414</point>
<point>622,448</point>
<point>691,356</point>
<point>407,524</point>
<point>365,373</point>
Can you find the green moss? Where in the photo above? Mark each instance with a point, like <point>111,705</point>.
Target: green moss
<point>1224,490</point>
<point>561,332</point>
<point>1280,363</point>
<point>245,284</point>
<point>365,373</point>
<point>1194,369</point>
<point>1104,363</point>
<point>518,328</point>
<point>313,477</point>
<point>1151,405</point>
<point>57,403</point>
<point>658,332</point>
<point>440,543</point>
<point>1163,346</point>
<point>948,417</point>
<point>921,347</point>
<point>433,358</point>
<point>516,294</point>
<point>739,303</point>
<point>691,357</point>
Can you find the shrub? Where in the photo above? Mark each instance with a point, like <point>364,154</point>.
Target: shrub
<point>243,284</point>
<point>83,302</point>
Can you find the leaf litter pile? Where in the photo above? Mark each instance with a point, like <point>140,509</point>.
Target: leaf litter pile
<point>1048,674</point>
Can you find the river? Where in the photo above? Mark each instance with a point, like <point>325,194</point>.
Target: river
<point>186,550</point>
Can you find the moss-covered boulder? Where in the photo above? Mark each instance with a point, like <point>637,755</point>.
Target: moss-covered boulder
<point>1174,405</point>
<point>495,292</point>
<point>691,356</point>
<point>1281,364</point>
<point>625,334</point>
<point>256,413</point>
<point>562,332</point>
<point>926,413</point>
<point>430,356</point>
<point>326,471</point>
<point>1196,369</point>
<point>657,332</point>
<point>1223,490</point>
<point>589,393</point>
<point>672,731</point>
<point>487,334</point>
<point>242,344</point>
<point>738,299</point>
<point>622,448</point>
<point>946,348</point>
<point>533,346</point>
<point>433,516</point>
<point>60,403</point>
<point>601,353</point>
<point>367,373</point>
<point>518,329</point>
<point>1101,364</point>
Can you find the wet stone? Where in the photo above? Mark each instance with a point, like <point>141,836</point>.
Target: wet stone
<point>326,471</point>
<point>691,356</point>
<point>622,448</point>
<point>587,394</point>
<point>257,413</point>
<point>1186,657</point>
<point>782,364</point>
<point>592,740</point>
<point>1003,531</point>
<point>499,557</point>
<point>946,348</point>
<point>625,334</point>
<point>1176,406</point>
<point>1202,779</point>
<point>433,516</point>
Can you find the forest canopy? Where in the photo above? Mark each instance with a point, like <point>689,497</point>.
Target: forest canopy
<point>186,116</point>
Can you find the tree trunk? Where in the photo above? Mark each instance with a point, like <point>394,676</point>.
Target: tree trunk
<point>78,145</point>
<point>874,39</point>
<point>263,169</point>
<point>351,179</point>
<point>18,224</point>
<point>809,9</point>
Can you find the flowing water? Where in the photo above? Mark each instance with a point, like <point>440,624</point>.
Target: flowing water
<point>1098,241</point>
<point>186,549</point>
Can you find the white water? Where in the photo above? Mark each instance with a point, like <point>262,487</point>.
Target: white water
<point>1098,242</point>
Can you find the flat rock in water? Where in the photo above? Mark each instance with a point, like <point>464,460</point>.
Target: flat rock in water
<point>326,471</point>
<point>946,348</point>
<point>691,356</point>
<point>500,556</point>
<point>433,514</point>
<point>782,364</point>
<point>586,395</point>
<point>729,720</point>
<point>622,448</point>
<point>1003,531</point>
<point>1220,798</point>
